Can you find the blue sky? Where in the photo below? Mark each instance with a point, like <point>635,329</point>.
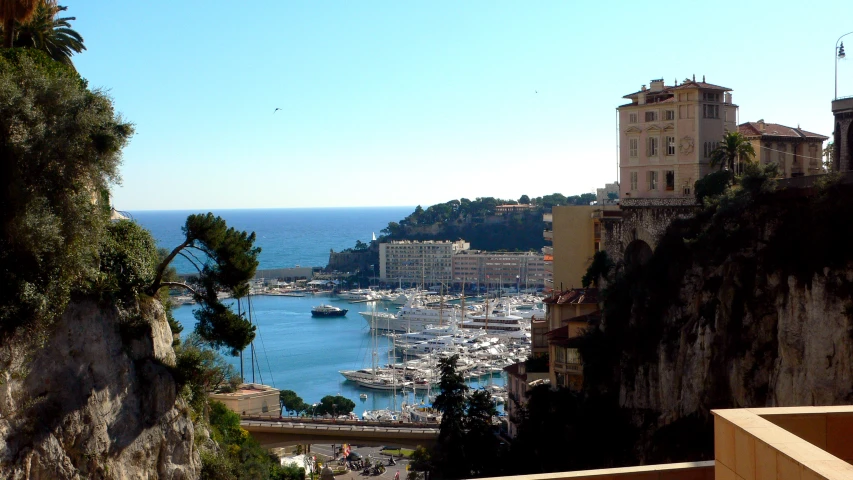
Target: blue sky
<point>405,103</point>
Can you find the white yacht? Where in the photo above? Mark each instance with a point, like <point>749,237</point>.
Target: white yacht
<point>501,324</point>
<point>413,317</point>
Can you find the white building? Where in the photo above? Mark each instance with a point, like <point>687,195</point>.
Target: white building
<point>516,269</point>
<point>414,262</point>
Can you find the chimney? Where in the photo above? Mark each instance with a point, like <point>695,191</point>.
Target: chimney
<point>761,125</point>
<point>656,85</point>
<point>728,97</point>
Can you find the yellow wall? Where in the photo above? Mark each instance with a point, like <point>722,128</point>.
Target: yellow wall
<point>573,244</point>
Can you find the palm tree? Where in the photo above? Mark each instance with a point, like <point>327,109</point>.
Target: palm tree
<point>734,147</point>
<point>52,35</point>
<point>12,11</point>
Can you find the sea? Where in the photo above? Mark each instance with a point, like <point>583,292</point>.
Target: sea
<point>292,349</point>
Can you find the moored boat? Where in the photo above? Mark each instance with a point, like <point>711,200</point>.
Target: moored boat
<point>328,311</point>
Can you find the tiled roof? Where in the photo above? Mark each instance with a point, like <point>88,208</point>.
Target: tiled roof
<point>573,296</point>
<point>513,370</point>
<point>683,85</point>
<point>753,129</point>
<point>590,318</point>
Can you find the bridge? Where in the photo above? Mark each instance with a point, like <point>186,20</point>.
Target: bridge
<point>273,432</point>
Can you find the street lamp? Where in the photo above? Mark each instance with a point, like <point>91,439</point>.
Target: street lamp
<point>314,409</point>
<point>839,53</point>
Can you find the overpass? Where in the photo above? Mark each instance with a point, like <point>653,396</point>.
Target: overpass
<point>272,432</point>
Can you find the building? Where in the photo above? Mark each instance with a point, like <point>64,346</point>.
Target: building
<point>476,268</point>
<point>575,236</point>
<point>609,195</point>
<point>842,135</point>
<point>796,151</point>
<point>513,208</point>
<point>667,134</point>
<point>415,262</point>
<point>568,314</point>
<point>521,377</point>
<point>251,399</point>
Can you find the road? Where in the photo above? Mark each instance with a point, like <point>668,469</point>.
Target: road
<point>366,452</point>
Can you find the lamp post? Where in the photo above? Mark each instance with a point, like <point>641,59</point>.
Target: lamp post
<point>313,409</point>
<point>839,53</point>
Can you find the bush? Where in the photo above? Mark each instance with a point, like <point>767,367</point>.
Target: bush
<point>128,259</point>
<point>61,147</point>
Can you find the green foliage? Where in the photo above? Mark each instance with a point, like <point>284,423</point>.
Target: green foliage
<point>733,148</point>
<point>538,364</point>
<point>292,402</point>
<point>335,405</point>
<point>524,200</point>
<point>128,259</point>
<point>202,370</point>
<point>712,185</point>
<point>599,268</point>
<point>60,146</point>
<point>49,34</point>
<point>228,261</point>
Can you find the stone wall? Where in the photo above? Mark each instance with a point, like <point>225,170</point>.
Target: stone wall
<point>642,219</point>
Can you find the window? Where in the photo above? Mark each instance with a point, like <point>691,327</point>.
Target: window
<point>651,116</point>
<point>632,118</point>
<point>710,111</point>
<point>652,146</point>
<point>669,115</point>
<point>670,180</point>
<point>653,181</point>
<point>573,356</point>
<point>633,146</point>
<point>670,145</point>
<point>634,181</point>
<point>711,97</point>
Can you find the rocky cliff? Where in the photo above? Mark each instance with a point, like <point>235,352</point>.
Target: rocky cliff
<point>749,303</point>
<point>94,398</point>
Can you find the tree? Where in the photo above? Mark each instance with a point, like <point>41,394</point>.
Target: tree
<point>524,200</point>
<point>335,405</point>
<point>734,147</point>
<point>202,370</point>
<point>360,246</point>
<point>60,148</point>
<point>226,259</point>
<point>449,456</point>
<point>482,447</point>
<point>52,35</point>
<point>12,11</point>
<point>292,402</point>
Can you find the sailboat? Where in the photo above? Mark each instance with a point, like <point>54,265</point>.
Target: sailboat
<point>378,381</point>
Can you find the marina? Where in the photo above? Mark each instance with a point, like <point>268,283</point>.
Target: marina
<point>295,351</point>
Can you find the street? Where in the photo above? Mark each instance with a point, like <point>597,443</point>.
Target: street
<point>372,453</point>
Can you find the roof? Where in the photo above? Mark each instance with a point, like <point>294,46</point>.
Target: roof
<point>684,85</point>
<point>560,336</point>
<point>753,129</point>
<point>512,370</point>
<point>573,296</point>
<point>590,318</point>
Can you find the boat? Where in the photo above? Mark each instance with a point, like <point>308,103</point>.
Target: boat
<point>413,317</point>
<point>363,396</point>
<point>328,311</point>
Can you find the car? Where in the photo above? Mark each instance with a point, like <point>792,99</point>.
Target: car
<point>354,456</point>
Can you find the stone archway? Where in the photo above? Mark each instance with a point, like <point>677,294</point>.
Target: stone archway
<point>637,253</point>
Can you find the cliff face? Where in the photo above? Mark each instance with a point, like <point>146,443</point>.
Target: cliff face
<point>746,303</point>
<point>790,344</point>
<point>94,399</point>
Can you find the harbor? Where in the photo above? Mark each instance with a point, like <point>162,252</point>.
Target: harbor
<point>295,351</point>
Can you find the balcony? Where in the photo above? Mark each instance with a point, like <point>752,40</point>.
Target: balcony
<point>573,368</point>
<point>548,234</point>
<point>547,217</point>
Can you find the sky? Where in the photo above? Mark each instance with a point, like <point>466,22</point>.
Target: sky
<point>414,103</point>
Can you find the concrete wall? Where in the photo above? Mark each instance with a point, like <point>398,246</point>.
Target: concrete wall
<point>573,244</point>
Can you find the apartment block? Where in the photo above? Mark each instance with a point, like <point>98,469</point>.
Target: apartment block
<point>479,268</point>
<point>416,262</point>
<point>667,134</point>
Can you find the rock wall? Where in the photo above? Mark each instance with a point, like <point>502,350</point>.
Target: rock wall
<point>784,343</point>
<point>93,399</point>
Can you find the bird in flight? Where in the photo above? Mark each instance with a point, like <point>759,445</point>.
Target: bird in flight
<point>276,109</point>
<point>535,91</point>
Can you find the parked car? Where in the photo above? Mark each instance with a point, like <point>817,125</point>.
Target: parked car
<point>354,456</point>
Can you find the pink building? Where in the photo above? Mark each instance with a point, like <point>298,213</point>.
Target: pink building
<point>666,135</point>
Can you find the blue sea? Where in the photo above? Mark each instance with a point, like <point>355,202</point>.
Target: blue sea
<point>295,351</point>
